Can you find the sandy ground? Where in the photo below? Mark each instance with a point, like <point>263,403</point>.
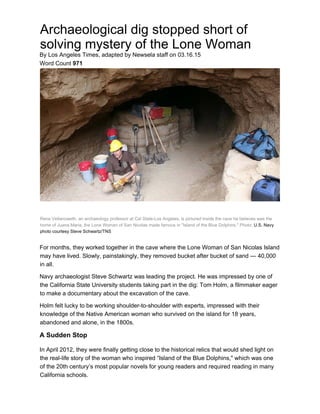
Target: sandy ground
<point>241,172</point>
<point>192,173</point>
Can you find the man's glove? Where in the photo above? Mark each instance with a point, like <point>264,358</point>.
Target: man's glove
<point>122,181</point>
<point>118,187</point>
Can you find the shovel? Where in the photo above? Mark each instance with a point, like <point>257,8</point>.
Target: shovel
<point>148,159</point>
<point>159,157</point>
<point>160,140</point>
<point>137,157</point>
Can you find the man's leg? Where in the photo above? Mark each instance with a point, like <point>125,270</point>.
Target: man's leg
<point>136,184</point>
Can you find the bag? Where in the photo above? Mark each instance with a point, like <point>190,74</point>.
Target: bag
<point>266,189</point>
<point>257,144</point>
<point>156,113</point>
<point>167,111</point>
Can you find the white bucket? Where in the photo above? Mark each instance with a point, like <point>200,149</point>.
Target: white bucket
<point>100,161</point>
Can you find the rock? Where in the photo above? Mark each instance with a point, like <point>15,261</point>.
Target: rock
<point>241,172</point>
<point>71,97</point>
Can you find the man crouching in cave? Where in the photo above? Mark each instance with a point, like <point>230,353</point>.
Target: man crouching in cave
<point>122,169</point>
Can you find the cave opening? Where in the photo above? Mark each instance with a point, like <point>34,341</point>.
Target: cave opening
<point>211,114</point>
<point>199,117</point>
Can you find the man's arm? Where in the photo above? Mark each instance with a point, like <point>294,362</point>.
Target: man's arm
<point>133,171</point>
<point>111,177</point>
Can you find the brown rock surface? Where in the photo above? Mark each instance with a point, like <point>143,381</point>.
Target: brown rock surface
<point>70,98</point>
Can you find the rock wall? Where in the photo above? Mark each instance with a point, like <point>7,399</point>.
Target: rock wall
<point>71,98</point>
<point>83,145</point>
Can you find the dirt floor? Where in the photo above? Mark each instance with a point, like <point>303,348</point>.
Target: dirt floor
<point>192,173</point>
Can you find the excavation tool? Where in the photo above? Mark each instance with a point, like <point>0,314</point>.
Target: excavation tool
<point>160,140</point>
<point>135,129</point>
<point>159,157</point>
<point>137,194</point>
<point>148,159</point>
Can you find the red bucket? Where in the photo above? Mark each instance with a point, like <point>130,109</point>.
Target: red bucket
<point>112,133</point>
<point>102,174</point>
<point>85,165</point>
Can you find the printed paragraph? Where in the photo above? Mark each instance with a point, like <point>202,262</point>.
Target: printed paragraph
<point>88,314</point>
<point>82,362</point>
<point>49,254</point>
<point>105,225</point>
<point>124,299</point>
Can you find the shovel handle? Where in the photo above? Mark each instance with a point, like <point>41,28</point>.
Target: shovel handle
<point>145,127</point>
<point>156,131</point>
<point>135,129</point>
<point>150,127</point>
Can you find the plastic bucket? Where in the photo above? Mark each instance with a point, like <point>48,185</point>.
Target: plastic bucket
<point>87,176</point>
<point>102,174</point>
<point>111,133</point>
<point>85,165</point>
<point>100,161</point>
